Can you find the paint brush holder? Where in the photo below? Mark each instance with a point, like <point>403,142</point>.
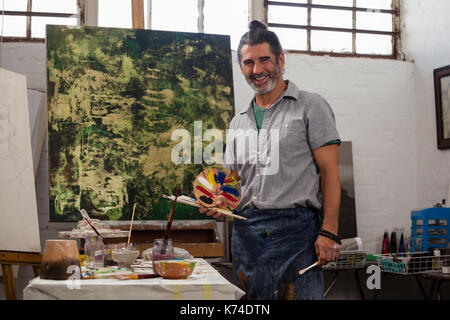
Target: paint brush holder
<point>157,248</point>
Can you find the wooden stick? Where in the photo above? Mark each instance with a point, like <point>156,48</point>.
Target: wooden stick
<point>306,269</point>
<point>194,203</point>
<point>131,225</point>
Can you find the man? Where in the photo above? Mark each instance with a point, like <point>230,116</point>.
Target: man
<point>284,151</point>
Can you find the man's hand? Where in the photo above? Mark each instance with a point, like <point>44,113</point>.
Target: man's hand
<point>327,250</point>
<point>212,211</point>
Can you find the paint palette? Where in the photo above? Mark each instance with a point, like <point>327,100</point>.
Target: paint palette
<point>212,183</point>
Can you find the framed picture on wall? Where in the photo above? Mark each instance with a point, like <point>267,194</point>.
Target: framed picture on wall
<point>442,96</point>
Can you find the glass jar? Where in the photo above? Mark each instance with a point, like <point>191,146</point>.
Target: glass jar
<point>93,251</point>
<point>158,255</point>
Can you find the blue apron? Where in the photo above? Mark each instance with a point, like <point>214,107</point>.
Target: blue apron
<point>270,248</point>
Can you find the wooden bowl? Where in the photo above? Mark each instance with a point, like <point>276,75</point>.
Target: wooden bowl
<point>174,269</point>
<point>58,256</point>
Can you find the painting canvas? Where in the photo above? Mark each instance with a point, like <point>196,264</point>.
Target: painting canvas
<point>445,96</point>
<point>132,115</point>
<point>19,226</point>
<point>442,102</point>
<point>347,211</point>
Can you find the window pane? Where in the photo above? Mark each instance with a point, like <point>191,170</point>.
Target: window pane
<point>146,26</point>
<point>331,18</point>
<point>15,5</point>
<point>175,15</point>
<point>378,4</point>
<point>60,6</point>
<point>14,26</point>
<point>330,41</point>
<point>38,24</point>
<point>341,3</point>
<point>292,1</point>
<point>374,21</point>
<point>373,44</point>
<point>114,13</point>
<point>287,15</point>
<point>217,17</point>
<point>291,39</point>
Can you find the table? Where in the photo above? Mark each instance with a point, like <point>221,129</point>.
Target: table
<point>205,283</point>
<point>438,279</point>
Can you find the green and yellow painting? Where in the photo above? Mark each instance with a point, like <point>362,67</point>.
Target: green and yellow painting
<point>115,99</point>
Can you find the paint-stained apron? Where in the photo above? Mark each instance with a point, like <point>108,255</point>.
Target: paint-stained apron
<point>270,248</point>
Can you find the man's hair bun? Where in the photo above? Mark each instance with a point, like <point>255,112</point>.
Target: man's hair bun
<point>255,24</point>
<point>258,33</point>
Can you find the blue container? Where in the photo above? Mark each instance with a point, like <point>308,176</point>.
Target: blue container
<point>430,228</point>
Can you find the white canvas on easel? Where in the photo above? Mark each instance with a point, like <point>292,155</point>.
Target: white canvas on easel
<point>19,227</point>
<point>37,107</point>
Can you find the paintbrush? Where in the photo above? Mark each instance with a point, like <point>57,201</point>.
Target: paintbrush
<point>301,272</point>
<point>169,224</point>
<point>193,202</point>
<point>86,218</point>
<point>131,225</point>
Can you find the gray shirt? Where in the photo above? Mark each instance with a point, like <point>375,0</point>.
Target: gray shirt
<point>276,166</point>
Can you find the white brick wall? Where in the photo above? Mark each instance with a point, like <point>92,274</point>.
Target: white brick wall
<point>427,45</point>
<point>26,58</point>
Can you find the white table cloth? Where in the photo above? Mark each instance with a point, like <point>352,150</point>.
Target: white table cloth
<point>205,283</point>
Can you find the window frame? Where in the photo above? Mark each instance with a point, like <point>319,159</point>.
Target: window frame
<point>395,33</point>
<point>29,14</point>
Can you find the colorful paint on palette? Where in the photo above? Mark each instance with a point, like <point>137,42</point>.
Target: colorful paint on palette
<point>212,183</point>
<point>211,179</point>
<point>232,190</point>
<point>209,194</point>
<point>221,177</point>
<point>205,183</point>
<point>228,197</point>
<point>230,181</point>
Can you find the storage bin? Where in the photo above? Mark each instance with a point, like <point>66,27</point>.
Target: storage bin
<point>430,229</point>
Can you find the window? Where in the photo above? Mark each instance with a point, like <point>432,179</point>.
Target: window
<point>337,27</point>
<point>26,19</point>
<point>228,17</point>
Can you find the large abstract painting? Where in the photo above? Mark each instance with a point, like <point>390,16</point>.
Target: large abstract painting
<point>132,115</point>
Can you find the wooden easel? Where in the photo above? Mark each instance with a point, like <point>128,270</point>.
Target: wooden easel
<point>10,258</point>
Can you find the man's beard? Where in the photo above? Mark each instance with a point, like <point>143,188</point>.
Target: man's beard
<point>272,80</point>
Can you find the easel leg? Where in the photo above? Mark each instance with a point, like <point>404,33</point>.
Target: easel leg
<point>358,283</point>
<point>333,282</point>
<point>422,289</point>
<point>8,280</point>
<point>37,271</point>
